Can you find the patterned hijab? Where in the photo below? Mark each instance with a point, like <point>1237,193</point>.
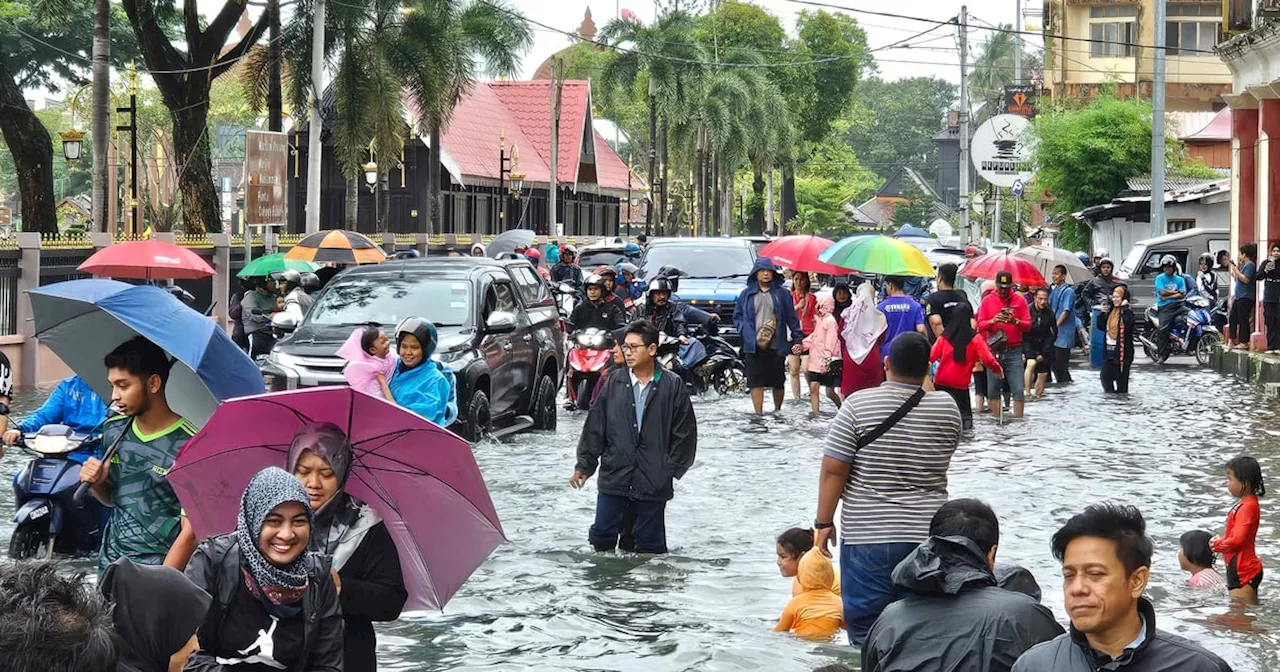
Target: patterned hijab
<point>280,588</point>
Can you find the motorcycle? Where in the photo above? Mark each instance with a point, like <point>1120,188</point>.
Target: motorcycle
<point>712,366</point>
<point>591,352</point>
<point>48,519</point>
<point>567,298</point>
<point>1194,332</point>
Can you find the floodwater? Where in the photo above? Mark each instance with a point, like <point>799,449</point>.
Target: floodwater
<point>545,601</point>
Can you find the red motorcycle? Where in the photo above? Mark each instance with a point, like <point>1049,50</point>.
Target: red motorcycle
<point>591,353</point>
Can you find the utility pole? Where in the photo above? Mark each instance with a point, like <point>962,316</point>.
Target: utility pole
<point>1017,42</point>
<point>557,83</point>
<point>653,154</point>
<point>1157,125</point>
<point>101,124</point>
<point>316,125</point>
<point>964,126</point>
<point>275,97</point>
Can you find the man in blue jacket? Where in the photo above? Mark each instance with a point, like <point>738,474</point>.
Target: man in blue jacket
<point>766,317</point>
<point>73,403</point>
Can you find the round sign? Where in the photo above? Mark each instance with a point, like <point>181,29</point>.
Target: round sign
<point>1002,148</point>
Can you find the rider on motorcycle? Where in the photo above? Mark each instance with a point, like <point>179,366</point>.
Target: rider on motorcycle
<point>257,306</point>
<point>1098,290</point>
<point>566,270</point>
<point>296,299</point>
<point>73,403</point>
<point>597,312</point>
<point>1171,289</point>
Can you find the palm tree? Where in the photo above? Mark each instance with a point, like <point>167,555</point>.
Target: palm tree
<point>993,69</point>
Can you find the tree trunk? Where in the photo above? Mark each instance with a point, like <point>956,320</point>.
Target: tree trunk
<point>101,124</point>
<point>32,156</point>
<point>717,203</point>
<point>789,210</point>
<point>352,203</point>
<point>433,181</point>
<point>275,53</point>
<point>756,226</point>
<point>700,187</point>
<point>191,141</point>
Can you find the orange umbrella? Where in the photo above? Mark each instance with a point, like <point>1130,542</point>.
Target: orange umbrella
<point>337,247</point>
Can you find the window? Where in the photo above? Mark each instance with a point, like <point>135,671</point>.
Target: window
<point>532,290</point>
<point>357,300</point>
<point>1152,266</point>
<point>1176,225</point>
<point>1193,29</point>
<point>1113,29</point>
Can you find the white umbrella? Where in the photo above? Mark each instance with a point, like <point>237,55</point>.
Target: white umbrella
<point>1045,258</point>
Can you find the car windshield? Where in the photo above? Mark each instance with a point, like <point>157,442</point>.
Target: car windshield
<point>1132,260</point>
<point>360,300</point>
<point>699,260</point>
<point>594,258</point>
<point>921,243</point>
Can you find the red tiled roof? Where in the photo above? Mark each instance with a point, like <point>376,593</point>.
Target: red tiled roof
<point>530,104</point>
<point>1217,130</point>
<point>473,133</point>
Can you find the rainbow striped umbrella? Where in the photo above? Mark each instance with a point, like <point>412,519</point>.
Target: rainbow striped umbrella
<point>880,255</point>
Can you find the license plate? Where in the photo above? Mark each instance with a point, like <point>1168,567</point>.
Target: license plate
<point>39,512</point>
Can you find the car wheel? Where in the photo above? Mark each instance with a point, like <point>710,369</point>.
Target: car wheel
<point>478,419</point>
<point>544,405</point>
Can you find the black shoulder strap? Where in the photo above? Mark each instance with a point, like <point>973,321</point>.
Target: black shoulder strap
<point>893,419</point>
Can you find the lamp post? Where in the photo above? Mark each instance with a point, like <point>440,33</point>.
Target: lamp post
<point>132,128</point>
<point>371,179</point>
<point>507,164</point>
<point>72,142</point>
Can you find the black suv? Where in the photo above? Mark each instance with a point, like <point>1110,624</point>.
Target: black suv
<point>499,333</point>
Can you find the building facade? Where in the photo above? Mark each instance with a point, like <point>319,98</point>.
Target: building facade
<point>1108,44</point>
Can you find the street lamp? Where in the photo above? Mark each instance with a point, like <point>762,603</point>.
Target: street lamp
<point>72,141</point>
<point>371,175</point>
<point>507,164</point>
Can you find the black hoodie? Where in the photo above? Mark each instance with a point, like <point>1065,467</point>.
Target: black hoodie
<point>954,617</point>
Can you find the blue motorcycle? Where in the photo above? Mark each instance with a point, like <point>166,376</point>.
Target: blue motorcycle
<point>1193,333</point>
<point>48,520</point>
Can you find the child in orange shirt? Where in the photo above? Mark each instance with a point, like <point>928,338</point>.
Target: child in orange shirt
<point>1244,569</point>
<point>817,612</point>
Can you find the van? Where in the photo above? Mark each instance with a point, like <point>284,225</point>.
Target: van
<point>1141,266</point>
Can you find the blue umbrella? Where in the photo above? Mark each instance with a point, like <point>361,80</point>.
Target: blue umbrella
<point>908,231</point>
<point>83,320</point>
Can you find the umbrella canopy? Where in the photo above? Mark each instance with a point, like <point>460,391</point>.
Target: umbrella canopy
<point>988,265</point>
<point>878,254</point>
<point>800,253</point>
<point>909,231</point>
<point>422,480</point>
<point>83,320</point>
<point>275,263</point>
<point>147,260</point>
<point>508,241</point>
<point>1045,258</point>
<point>337,247</point>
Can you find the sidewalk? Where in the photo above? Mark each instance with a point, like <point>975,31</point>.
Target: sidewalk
<point>1250,367</point>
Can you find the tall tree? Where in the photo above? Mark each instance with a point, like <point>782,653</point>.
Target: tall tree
<point>42,45</point>
<point>184,75</point>
<point>993,69</point>
<point>894,122</point>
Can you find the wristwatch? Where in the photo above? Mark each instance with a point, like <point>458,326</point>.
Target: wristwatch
<point>823,526</point>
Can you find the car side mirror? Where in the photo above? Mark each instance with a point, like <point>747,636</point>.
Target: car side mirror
<point>284,322</point>
<point>500,322</point>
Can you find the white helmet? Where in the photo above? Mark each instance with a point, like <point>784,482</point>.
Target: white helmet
<point>1168,260</point>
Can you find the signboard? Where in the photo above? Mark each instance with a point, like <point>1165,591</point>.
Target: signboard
<point>1018,188</point>
<point>1002,148</point>
<point>266,159</point>
<point>1019,99</point>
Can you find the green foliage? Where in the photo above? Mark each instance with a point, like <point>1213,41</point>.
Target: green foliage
<point>892,124</point>
<point>833,81</point>
<point>993,69</point>
<point>1073,234</point>
<point>916,207</point>
<point>820,205</point>
<point>59,59</point>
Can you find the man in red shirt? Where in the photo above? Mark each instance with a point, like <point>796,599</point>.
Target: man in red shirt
<point>1002,319</point>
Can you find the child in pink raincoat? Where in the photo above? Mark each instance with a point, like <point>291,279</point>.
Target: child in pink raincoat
<point>825,363</point>
<point>370,361</point>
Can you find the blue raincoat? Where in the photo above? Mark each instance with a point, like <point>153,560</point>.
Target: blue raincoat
<point>429,389</point>
<point>73,403</point>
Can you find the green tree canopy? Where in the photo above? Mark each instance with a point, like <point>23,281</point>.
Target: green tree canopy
<point>894,122</point>
<point>916,208</point>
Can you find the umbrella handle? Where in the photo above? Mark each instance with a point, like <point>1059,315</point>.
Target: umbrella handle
<point>83,489</point>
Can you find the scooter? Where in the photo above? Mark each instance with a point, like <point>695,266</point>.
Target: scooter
<point>716,365</point>
<point>567,298</point>
<point>48,519</point>
<point>1194,332</point>
<point>591,352</point>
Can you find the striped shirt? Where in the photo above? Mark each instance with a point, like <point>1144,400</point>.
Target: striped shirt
<point>897,482</point>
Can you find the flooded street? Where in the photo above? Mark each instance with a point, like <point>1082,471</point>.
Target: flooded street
<point>546,602</point>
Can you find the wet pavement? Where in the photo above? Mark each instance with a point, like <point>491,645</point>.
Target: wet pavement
<point>546,602</point>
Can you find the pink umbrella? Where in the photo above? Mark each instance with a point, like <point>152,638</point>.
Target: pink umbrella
<point>800,253</point>
<point>147,260</point>
<point>422,479</point>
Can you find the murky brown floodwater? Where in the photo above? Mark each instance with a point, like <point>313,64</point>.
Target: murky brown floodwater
<point>546,602</point>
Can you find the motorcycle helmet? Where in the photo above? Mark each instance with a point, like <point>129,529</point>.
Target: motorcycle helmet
<point>607,270</point>
<point>422,329</point>
<point>673,275</point>
<point>310,282</point>
<point>1084,259</point>
<point>406,254</point>
<point>629,269</point>
<point>661,284</point>
<point>593,279</point>
<point>1168,260</point>
<point>1207,257</point>
<point>568,251</point>
<point>631,250</point>
<point>288,275</point>
<point>181,294</point>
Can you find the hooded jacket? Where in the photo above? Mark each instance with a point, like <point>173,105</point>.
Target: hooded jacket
<point>816,612</point>
<point>784,310</point>
<point>954,617</point>
<point>149,631</point>
<point>428,389</point>
<point>73,403</point>
<point>639,462</point>
<point>215,567</point>
<point>1158,652</point>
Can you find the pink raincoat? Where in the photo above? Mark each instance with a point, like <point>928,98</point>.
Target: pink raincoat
<point>362,369</point>
<point>824,342</point>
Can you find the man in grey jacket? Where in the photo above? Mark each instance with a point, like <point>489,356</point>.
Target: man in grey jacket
<point>1106,561</point>
<point>954,617</point>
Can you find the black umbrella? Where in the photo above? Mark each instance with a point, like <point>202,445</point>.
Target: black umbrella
<point>508,241</point>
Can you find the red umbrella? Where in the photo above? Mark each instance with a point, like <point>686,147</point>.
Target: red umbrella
<point>988,265</point>
<point>147,260</point>
<point>800,253</point>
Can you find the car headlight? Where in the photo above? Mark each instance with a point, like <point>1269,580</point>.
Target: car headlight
<point>456,359</point>
<point>284,361</point>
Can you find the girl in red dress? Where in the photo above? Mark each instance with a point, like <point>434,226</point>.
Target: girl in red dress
<point>1244,569</point>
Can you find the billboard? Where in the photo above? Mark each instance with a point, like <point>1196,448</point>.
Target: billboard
<point>266,158</point>
<point>1019,99</point>
<point>1002,150</point>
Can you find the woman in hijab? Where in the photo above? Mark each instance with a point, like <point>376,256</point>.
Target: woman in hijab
<point>153,635</point>
<point>419,384</point>
<point>862,329</point>
<point>1115,322</point>
<point>274,607</point>
<point>370,583</point>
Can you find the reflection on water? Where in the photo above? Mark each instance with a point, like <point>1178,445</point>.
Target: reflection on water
<point>545,601</point>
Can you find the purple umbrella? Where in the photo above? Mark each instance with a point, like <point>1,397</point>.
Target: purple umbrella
<point>422,480</point>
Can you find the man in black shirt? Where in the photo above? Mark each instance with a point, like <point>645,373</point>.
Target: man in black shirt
<point>943,302</point>
<point>1269,275</point>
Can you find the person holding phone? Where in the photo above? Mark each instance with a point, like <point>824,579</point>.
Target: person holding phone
<point>1002,320</point>
<point>1240,323</point>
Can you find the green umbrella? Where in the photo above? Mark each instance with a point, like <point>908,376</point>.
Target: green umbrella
<point>880,255</point>
<point>274,263</point>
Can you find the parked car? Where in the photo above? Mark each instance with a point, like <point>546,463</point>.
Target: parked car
<point>716,273</point>
<point>1141,266</point>
<point>499,332</point>
<point>605,252</point>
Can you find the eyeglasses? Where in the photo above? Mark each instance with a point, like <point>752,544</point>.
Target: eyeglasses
<point>627,347</point>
